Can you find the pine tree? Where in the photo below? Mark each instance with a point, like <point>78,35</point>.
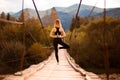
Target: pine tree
<point>8,16</point>
<point>53,16</point>
<point>20,18</point>
<point>46,19</point>
<point>25,15</point>
<point>75,23</point>
<point>3,15</point>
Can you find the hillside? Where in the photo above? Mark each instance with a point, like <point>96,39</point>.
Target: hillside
<point>66,13</point>
<point>114,13</point>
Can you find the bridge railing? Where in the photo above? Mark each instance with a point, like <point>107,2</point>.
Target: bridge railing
<point>23,75</point>
<point>87,75</point>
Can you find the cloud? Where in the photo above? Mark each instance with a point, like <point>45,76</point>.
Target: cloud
<point>16,5</point>
<point>10,5</point>
<point>100,3</point>
<point>113,3</point>
<point>41,4</point>
<point>3,5</point>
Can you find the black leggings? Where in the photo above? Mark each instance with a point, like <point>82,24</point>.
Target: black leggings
<point>57,41</point>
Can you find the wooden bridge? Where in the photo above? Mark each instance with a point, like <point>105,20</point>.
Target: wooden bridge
<point>49,69</point>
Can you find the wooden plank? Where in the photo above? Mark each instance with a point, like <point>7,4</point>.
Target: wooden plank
<point>54,71</point>
<point>12,22</point>
<point>51,70</point>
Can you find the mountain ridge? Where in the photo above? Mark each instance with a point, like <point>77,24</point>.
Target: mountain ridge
<point>66,13</point>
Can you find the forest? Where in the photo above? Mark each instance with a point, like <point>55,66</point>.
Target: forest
<point>85,37</point>
<point>30,39</point>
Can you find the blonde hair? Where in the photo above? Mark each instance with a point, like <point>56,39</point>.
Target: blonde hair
<point>60,25</point>
<point>61,29</point>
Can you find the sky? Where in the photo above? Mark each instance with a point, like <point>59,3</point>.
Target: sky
<point>16,5</point>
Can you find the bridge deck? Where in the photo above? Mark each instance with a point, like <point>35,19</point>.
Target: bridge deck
<point>54,71</point>
<point>50,70</point>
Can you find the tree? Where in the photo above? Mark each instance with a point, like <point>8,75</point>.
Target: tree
<point>46,19</point>
<point>8,16</point>
<point>72,24</point>
<point>20,17</point>
<point>25,15</point>
<point>75,23</point>
<point>49,19</point>
<point>92,18</point>
<point>84,21</point>
<point>53,16</point>
<point>3,15</point>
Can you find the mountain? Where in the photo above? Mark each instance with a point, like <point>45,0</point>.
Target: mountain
<point>84,10</point>
<point>66,13</point>
<point>28,13</point>
<point>65,19</point>
<point>113,12</point>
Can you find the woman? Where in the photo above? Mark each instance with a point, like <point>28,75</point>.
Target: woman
<point>58,33</point>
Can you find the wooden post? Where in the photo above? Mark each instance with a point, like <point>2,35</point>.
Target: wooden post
<point>23,50</point>
<point>106,55</point>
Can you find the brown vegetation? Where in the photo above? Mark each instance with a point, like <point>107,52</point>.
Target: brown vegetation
<point>87,44</point>
<point>11,45</point>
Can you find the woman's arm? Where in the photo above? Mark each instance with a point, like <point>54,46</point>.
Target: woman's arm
<point>51,33</point>
<point>63,34</point>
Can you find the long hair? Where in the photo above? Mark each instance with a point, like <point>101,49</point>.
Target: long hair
<point>60,25</point>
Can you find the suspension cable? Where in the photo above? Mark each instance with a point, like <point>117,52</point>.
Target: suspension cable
<point>38,14</point>
<point>78,8</point>
<point>40,21</point>
<point>76,17</point>
<point>93,8</point>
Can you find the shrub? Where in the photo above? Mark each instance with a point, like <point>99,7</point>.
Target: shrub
<point>37,53</point>
<point>89,41</point>
<point>10,54</point>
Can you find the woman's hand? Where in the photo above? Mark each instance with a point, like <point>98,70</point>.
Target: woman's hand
<point>59,36</point>
<point>55,36</point>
